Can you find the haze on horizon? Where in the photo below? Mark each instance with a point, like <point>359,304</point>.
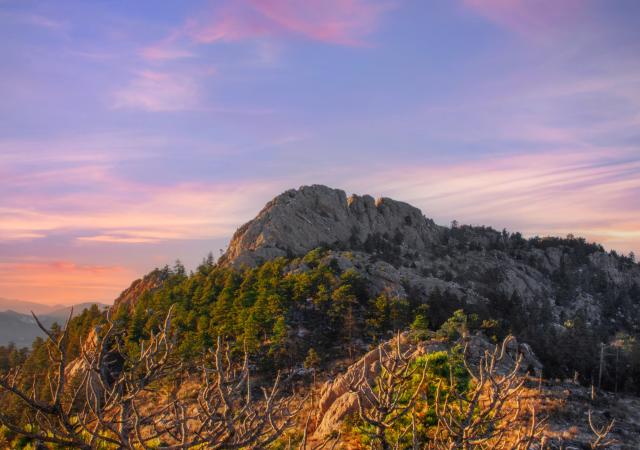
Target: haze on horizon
<point>136,133</point>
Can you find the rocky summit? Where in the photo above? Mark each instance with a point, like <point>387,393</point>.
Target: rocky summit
<point>298,221</point>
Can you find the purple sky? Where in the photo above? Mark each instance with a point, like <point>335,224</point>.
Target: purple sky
<point>135,133</point>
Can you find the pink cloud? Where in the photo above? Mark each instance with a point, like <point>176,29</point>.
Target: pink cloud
<point>528,17</point>
<point>340,22</point>
<point>94,212</point>
<point>101,207</point>
<point>164,52</point>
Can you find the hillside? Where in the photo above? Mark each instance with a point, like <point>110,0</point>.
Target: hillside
<point>564,296</point>
<point>317,280</point>
<point>20,329</point>
<point>546,289</point>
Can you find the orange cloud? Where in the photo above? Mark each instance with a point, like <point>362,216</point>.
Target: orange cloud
<point>62,282</point>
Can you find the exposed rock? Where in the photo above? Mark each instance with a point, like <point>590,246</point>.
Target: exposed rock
<point>298,221</point>
<point>113,362</point>
<point>337,402</point>
<point>477,345</point>
<point>149,282</point>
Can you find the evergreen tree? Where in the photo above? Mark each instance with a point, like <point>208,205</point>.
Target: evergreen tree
<point>455,327</point>
<point>420,327</point>
<point>312,361</point>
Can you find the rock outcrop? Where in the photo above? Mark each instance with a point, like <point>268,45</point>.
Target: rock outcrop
<point>298,221</point>
<point>148,283</point>
<point>337,401</point>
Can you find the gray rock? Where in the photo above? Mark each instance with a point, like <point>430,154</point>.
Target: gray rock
<point>298,221</point>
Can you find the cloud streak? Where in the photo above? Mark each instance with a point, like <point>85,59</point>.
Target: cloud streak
<point>33,19</point>
<point>337,22</point>
<point>125,212</point>
<point>526,17</point>
<point>159,91</point>
<point>548,193</point>
<point>175,87</point>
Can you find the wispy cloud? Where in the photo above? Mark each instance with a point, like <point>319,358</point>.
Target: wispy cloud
<point>174,87</point>
<point>76,186</point>
<point>85,150</point>
<point>339,22</point>
<point>532,18</point>
<point>157,91</point>
<point>546,193</point>
<point>34,19</point>
<point>96,205</point>
<point>166,51</point>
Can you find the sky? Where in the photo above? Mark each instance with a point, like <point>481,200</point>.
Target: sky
<point>133,134</point>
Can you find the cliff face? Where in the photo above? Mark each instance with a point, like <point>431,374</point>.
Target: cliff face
<point>298,221</point>
<point>148,283</point>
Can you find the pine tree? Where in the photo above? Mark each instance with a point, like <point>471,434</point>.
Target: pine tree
<point>136,326</point>
<point>312,361</point>
<point>420,327</point>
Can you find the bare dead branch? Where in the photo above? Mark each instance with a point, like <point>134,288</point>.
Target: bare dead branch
<point>601,440</point>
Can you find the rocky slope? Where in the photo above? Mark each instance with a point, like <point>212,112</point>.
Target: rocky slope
<point>564,296</point>
<point>395,247</point>
<point>564,405</point>
<point>337,402</point>
<point>148,283</point>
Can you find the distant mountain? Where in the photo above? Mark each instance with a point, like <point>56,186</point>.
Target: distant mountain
<point>25,307</point>
<point>62,313</point>
<point>20,328</point>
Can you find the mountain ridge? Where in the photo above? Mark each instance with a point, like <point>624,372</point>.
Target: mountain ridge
<point>563,283</point>
<point>21,328</point>
<point>544,290</point>
<point>297,221</point>
<point>26,307</point>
